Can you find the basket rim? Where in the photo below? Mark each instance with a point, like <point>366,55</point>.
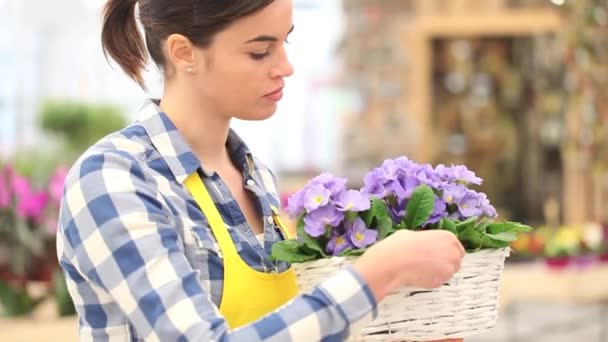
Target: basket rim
<point>505,251</point>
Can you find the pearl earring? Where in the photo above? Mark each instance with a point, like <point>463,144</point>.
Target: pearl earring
<point>189,69</point>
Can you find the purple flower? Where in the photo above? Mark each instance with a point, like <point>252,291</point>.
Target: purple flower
<point>352,200</point>
<point>464,175</point>
<point>389,170</point>
<point>316,221</point>
<point>397,211</point>
<point>469,205</point>
<point>315,196</point>
<point>404,163</point>
<point>400,177</point>
<point>453,193</point>
<point>426,175</point>
<point>410,183</point>
<point>295,204</point>
<point>486,207</point>
<point>397,188</point>
<point>337,244</point>
<point>317,193</point>
<point>358,235</point>
<point>373,184</point>
<point>458,174</point>
<point>439,211</point>
<point>474,204</point>
<point>330,182</point>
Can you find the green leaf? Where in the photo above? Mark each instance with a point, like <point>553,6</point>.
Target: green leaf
<point>503,227</point>
<point>353,252</point>
<point>449,225</point>
<point>385,227</point>
<point>351,215</point>
<point>377,210</point>
<point>15,301</point>
<point>464,225</point>
<point>289,251</point>
<point>471,238</point>
<point>310,251</point>
<point>419,207</point>
<point>308,240</point>
<point>491,243</point>
<point>377,217</point>
<point>506,236</point>
<point>483,224</point>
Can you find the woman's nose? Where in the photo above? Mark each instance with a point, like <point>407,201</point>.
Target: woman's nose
<point>284,67</point>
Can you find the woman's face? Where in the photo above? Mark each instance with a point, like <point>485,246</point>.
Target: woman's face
<point>243,72</point>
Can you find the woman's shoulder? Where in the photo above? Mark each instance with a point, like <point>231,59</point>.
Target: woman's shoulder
<point>118,151</point>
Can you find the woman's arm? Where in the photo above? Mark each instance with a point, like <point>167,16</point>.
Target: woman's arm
<point>123,258</point>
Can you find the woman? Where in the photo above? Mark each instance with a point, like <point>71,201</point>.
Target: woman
<point>166,226</point>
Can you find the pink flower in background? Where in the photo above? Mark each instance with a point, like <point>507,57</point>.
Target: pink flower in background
<point>30,204</point>
<point>57,182</point>
<point>284,198</point>
<point>33,206</point>
<point>21,187</point>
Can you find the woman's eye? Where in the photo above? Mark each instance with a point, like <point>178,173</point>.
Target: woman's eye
<point>259,56</point>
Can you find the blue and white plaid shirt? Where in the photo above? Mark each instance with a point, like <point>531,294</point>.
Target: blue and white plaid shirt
<point>141,262</point>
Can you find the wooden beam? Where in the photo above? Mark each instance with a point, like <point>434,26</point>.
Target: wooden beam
<point>491,23</point>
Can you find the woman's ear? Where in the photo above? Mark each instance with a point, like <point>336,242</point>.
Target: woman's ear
<point>181,53</point>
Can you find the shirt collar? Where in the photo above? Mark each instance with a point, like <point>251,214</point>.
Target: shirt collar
<point>174,149</point>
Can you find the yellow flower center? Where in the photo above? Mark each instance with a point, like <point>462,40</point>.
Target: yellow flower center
<point>319,199</point>
<point>340,240</point>
<point>359,236</point>
<point>450,199</point>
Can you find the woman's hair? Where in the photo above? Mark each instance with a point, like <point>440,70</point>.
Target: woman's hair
<point>198,20</point>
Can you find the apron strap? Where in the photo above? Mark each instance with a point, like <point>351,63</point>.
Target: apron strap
<point>197,189</point>
<point>279,222</point>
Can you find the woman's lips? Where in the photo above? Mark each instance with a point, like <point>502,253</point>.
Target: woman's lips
<point>275,95</point>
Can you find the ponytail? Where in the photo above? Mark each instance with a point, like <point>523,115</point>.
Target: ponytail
<point>121,39</point>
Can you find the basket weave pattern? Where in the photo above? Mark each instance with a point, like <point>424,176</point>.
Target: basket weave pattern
<point>465,306</point>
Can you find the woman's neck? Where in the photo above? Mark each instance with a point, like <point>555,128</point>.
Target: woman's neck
<point>204,129</point>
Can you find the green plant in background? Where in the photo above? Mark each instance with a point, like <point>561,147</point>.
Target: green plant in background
<point>65,305</point>
<point>29,203</point>
<point>28,221</point>
<point>79,125</point>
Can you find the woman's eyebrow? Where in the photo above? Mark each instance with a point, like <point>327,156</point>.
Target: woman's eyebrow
<point>267,38</point>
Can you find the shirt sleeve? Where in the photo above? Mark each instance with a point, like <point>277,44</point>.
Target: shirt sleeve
<point>121,239</point>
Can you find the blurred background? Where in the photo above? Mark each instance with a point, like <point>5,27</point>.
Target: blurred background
<point>515,89</point>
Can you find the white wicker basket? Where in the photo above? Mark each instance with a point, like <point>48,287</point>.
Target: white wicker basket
<point>465,306</point>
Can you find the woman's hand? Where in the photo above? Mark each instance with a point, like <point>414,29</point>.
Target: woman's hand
<point>425,259</point>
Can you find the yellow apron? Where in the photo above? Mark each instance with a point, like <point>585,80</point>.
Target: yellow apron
<point>247,294</point>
